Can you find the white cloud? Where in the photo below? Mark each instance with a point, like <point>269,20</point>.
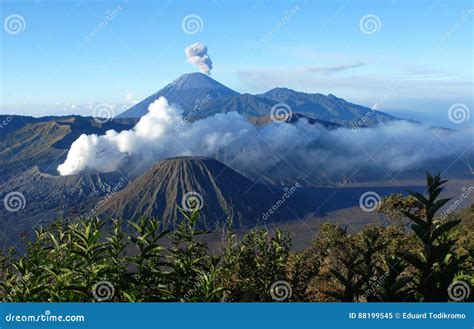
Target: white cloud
<point>130,99</point>
<point>230,138</point>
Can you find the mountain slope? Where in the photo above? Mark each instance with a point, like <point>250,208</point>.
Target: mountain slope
<point>47,197</point>
<point>328,108</point>
<point>222,193</point>
<point>186,91</point>
<point>45,143</point>
<point>244,104</point>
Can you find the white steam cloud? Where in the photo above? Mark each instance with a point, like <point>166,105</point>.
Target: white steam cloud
<point>299,149</point>
<point>197,55</point>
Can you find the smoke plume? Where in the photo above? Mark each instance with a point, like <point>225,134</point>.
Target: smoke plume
<point>301,148</point>
<point>197,55</point>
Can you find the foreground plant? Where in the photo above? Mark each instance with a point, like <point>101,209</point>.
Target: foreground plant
<point>93,260</point>
<point>437,263</point>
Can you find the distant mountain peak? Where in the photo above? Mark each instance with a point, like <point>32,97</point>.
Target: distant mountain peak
<point>185,91</point>
<point>334,97</point>
<point>326,107</point>
<point>194,80</point>
<point>282,89</point>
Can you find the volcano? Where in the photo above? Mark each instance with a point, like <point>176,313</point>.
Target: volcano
<point>187,91</point>
<point>203,183</point>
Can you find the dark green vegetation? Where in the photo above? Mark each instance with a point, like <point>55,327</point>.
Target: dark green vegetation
<point>145,263</point>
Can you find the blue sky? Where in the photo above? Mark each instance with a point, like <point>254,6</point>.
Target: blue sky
<point>410,63</point>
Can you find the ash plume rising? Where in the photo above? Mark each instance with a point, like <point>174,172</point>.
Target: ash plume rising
<point>230,138</point>
<point>197,55</point>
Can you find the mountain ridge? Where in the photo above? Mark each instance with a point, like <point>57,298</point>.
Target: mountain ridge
<point>45,143</point>
<point>192,89</point>
<point>326,107</point>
